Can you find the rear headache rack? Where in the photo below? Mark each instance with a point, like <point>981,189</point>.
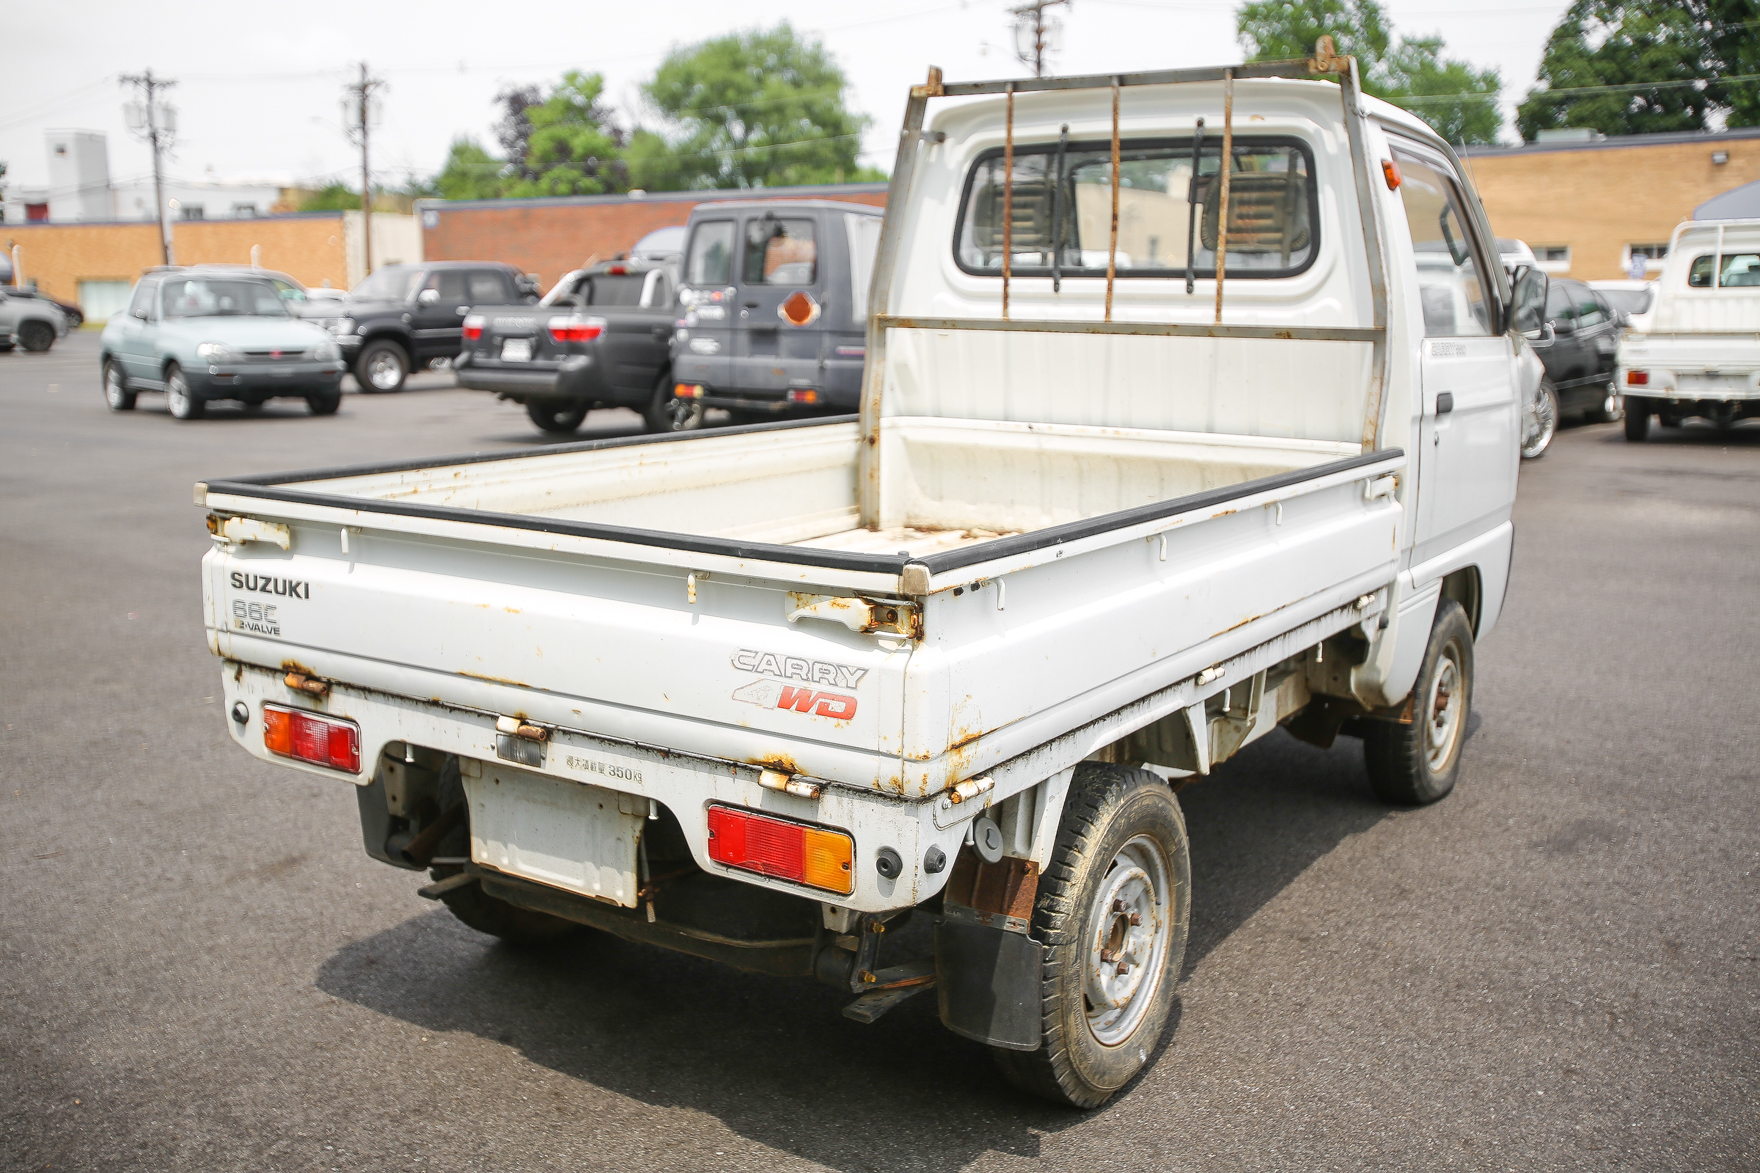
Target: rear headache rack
<point>1256,216</point>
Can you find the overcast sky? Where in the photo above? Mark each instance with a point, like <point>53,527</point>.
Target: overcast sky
<point>259,87</point>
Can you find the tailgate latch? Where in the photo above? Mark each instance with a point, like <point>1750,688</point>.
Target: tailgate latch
<point>858,614</point>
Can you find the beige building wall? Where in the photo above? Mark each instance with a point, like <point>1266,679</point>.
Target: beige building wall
<point>1598,200</point>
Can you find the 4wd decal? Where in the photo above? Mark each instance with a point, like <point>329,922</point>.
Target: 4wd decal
<point>778,694</point>
<point>773,694</point>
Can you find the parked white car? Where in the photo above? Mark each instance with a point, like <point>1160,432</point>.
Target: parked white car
<point>756,695</point>
<point>33,323</point>
<point>1701,354</point>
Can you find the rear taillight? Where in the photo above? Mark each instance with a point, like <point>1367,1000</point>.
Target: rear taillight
<point>308,737</point>
<point>1638,378</point>
<point>576,328</point>
<point>687,391</point>
<point>777,847</point>
<point>802,395</point>
<point>473,326</point>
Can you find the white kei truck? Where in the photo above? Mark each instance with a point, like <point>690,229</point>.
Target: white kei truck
<point>1155,454</point>
<point>1701,354</point>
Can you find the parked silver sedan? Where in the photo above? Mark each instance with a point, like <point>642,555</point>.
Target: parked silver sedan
<point>33,323</point>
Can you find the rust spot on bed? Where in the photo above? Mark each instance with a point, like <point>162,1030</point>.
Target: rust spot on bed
<point>781,763</point>
<point>494,679</point>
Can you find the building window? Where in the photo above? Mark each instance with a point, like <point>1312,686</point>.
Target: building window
<point>35,212</point>
<point>1644,259</point>
<point>1553,258</point>
<point>1555,252</point>
<point>191,212</point>
<point>244,211</point>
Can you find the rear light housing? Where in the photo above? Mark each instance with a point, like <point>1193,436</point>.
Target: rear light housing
<point>688,391</point>
<point>576,328</point>
<point>311,737</point>
<point>1638,378</point>
<point>782,848</point>
<point>802,395</point>
<point>473,326</point>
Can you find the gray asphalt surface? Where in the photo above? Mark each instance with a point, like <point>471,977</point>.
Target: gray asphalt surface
<point>1554,968</point>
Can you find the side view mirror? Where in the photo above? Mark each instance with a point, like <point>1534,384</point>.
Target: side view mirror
<point>1528,303</point>
<point>428,297</point>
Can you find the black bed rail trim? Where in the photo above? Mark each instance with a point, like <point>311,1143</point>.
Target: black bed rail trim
<point>266,488</point>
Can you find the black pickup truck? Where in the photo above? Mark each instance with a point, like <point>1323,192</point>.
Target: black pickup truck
<point>602,338</point>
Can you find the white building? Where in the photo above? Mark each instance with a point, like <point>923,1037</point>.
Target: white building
<point>81,190</point>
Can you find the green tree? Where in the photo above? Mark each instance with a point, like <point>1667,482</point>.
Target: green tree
<point>1733,39</point>
<point>572,146</point>
<point>471,173</point>
<point>1459,101</point>
<point>332,197</point>
<point>1623,67</point>
<point>753,109</point>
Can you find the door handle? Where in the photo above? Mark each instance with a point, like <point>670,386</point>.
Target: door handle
<point>1444,402</point>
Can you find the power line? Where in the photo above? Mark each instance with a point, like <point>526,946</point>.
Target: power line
<point>155,122</point>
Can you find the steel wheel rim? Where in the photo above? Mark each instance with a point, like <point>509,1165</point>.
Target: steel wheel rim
<point>1136,884</point>
<point>1539,418</point>
<point>683,414</point>
<point>113,391</point>
<point>1442,712</point>
<point>177,394</point>
<point>385,371</point>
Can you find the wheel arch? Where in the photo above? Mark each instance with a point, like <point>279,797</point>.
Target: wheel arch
<point>1466,586</point>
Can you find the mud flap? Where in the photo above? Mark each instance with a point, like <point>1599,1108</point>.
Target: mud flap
<point>987,981</point>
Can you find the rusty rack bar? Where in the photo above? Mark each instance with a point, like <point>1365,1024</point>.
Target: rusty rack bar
<point>1325,62</point>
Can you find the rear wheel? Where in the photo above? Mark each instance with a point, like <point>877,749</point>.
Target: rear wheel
<point>117,396</point>
<point>1637,419</point>
<point>1539,420</point>
<point>36,337</point>
<point>561,419</point>
<point>178,397</point>
<point>498,918</point>
<point>668,413</point>
<point>1113,911</point>
<point>382,366</point>
<point>1414,764</point>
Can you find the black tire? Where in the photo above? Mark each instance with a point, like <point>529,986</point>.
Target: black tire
<point>36,337</point>
<point>117,395</point>
<point>667,413</point>
<point>1415,764</point>
<point>1539,422</point>
<point>323,402</point>
<point>1638,414</point>
<point>1115,817</point>
<point>383,366</point>
<point>181,401</point>
<point>559,419</point>
<point>498,918</point>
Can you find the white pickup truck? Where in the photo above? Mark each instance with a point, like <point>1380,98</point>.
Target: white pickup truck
<point>1111,510</point>
<point>1701,353</point>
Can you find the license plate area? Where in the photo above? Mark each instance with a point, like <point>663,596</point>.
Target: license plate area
<point>569,835</point>
<point>516,350</point>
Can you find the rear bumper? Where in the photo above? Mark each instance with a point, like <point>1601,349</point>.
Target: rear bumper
<point>232,382</point>
<point>577,378</point>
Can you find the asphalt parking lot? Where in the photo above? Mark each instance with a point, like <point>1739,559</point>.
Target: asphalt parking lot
<point>1558,967</point>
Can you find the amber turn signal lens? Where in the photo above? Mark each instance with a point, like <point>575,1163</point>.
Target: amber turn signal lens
<point>799,308</point>
<point>788,850</point>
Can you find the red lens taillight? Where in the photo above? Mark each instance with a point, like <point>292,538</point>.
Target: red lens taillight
<point>575,328</point>
<point>1638,378</point>
<point>308,737</point>
<point>777,847</point>
<point>473,327</point>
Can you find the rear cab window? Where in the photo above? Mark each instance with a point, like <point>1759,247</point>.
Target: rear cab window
<point>1061,208</point>
<point>781,250</point>
<point>1733,270</point>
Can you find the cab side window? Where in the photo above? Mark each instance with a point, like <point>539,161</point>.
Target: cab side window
<point>711,258</point>
<point>1589,311</point>
<point>486,288</point>
<point>1451,284</point>
<point>141,305</point>
<point>1561,308</point>
<point>450,284</point>
<point>780,252</point>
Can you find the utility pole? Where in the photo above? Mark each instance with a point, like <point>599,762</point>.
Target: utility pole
<point>1033,33</point>
<point>156,123</point>
<point>360,111</point>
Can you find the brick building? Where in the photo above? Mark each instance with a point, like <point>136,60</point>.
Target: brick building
<point>94,265</point>
<point>551,236</point>
<point>1585,205</point>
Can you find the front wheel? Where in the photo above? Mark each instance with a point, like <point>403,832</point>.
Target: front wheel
<point>668,413</point>
<point>117,396</point>
<point>1637,419</point>
<point>382,366</point>
<point>1539,420</point>
<point>561,419</point>
<point>323,402</point>
<point>183,403</point>
<point>1113,911</point>
<point>1417,763</point>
